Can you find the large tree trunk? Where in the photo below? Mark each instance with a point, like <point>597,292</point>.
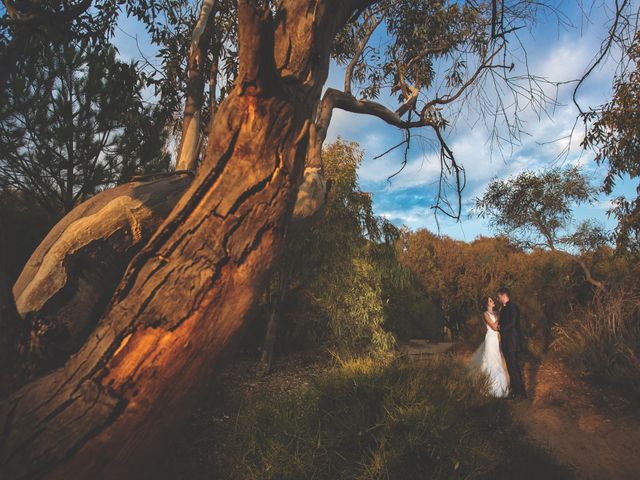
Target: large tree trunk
<point>66,283</point>
<point>188,290</point>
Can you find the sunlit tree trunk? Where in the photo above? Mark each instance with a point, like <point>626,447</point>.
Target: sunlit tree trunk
<point>68,280</point>
<point>187,292</point>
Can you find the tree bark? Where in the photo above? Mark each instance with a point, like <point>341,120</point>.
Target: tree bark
<point>187,292</point>
<point>67,281</point>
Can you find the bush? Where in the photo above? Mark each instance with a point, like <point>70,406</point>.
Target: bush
<point>603,340</point>
<point>375,419</point>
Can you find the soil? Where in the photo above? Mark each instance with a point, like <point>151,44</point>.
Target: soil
<point>595,432</point>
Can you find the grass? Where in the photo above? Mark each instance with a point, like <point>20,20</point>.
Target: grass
<point>603,342</point>
<point>373,418</point>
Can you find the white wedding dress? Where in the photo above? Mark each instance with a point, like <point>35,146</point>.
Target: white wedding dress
<point>488,359</point>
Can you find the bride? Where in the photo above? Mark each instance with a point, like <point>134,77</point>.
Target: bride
<point>488,358</point>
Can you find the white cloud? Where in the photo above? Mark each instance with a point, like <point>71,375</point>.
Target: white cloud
<point>565,60</point>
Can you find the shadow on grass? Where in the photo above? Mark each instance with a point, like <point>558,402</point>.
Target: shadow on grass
<point>368,418</point>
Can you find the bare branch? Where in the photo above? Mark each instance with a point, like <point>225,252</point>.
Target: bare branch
<point>619,8</point>
<point>336,99</point>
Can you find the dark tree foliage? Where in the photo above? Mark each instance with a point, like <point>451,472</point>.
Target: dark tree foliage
<point>73,124</point>
<point>27,23</point>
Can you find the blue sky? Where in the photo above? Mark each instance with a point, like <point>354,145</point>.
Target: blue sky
<point>558,53</point>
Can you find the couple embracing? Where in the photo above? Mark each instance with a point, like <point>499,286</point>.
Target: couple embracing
<point>497,357</point>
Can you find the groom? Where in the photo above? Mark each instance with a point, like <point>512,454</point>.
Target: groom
<point>511,341</point>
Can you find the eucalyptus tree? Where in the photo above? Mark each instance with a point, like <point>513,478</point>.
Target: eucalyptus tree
<point>189,289</point>
<point>535,210</point>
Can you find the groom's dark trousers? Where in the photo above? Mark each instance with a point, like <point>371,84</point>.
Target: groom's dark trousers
<point>511,344</point>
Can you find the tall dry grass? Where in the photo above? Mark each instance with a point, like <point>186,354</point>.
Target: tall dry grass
<point>602,340</point>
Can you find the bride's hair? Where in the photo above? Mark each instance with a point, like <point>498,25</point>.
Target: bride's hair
<point>485,303</point>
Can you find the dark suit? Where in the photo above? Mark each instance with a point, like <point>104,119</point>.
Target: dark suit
<point>511,344</point>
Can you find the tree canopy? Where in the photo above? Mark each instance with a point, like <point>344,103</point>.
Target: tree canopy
<point>73,124</point>
<point>536,210</point>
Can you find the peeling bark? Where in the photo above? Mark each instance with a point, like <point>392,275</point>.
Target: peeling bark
<point>188,291</point>
<point>311,194</point>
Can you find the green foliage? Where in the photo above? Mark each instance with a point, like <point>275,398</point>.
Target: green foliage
<point>339,262</point>
<point>345,286</point>
<point>74,123</point>
<point>535,208</point>
<point>420,34</point>
<point>613,132</point>
<point>353,305</point>
<point>382,419</point>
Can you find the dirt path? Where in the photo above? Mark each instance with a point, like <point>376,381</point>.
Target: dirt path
<point>596,434</point>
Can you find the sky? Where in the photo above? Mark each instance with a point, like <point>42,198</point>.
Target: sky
<point>551,138</point>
